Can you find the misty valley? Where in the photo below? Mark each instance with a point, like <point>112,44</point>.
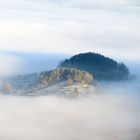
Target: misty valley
<point>88,96</point>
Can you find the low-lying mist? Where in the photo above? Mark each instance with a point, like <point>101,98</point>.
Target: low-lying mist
<point>112,115</point>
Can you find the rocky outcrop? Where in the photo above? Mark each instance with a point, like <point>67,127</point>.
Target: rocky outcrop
<point>69,82</point>
<point>70,75</point>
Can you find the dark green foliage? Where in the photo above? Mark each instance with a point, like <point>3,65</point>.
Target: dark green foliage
<point>103,68</point>
<point>71,75</point>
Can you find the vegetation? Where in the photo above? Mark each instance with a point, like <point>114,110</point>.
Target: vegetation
<point>103,68</point>
<point>7,88</point>
<point>71,75</point>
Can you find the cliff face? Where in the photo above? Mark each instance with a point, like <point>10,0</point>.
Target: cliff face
<point>103,68</point>
<point>61,81</point>
<point>70,75</point>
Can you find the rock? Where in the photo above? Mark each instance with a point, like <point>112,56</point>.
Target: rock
<point>71,75</point>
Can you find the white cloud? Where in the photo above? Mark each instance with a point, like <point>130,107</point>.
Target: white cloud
<point>112,115</point>
<point>60,26</point>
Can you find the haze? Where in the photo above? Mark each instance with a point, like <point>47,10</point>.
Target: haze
<point>112,114</point>
<point>35,35</point>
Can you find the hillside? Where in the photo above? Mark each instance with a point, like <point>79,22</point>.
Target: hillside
<point>61,81</point>
<point>70,75</point>
<point>101,67</point>
<point>73,76</point>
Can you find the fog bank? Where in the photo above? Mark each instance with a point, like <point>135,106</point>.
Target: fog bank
<point>112,115</point>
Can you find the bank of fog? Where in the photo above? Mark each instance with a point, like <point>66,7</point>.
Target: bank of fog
<point>112,115</point>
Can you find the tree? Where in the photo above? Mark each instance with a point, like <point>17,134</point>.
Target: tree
<point>7,88</point>
<point>101,67</point>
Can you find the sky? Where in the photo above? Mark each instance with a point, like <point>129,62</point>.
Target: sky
<point>68,27</point>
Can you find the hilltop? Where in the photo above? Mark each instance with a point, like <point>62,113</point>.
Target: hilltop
<point>101,67</point>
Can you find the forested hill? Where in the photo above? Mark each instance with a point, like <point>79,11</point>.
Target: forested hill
<point>102,68</point>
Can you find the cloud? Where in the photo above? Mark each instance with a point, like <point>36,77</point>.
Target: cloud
<point>58,26</point>
<point>114,114</point>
